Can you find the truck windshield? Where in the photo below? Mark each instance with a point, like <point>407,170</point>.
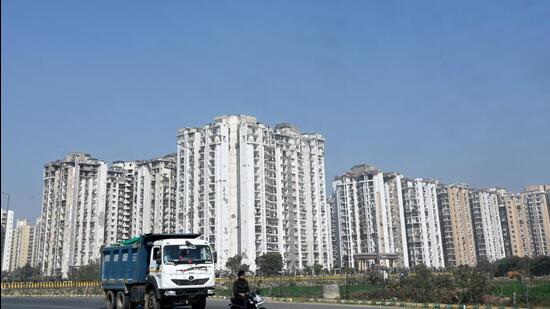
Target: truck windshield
<point>178,254</point>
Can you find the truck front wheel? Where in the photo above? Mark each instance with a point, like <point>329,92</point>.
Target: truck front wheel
<point>110,300</point>
<point>151,301</point>
<point>200,303</point>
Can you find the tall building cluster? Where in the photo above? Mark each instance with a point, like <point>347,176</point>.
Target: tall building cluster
<point>17,242</point>
<point>402,222</point>
<point>250,189</point>
<point>88,203</point>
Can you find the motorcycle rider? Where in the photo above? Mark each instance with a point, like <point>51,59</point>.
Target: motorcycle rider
<point>241,290</point>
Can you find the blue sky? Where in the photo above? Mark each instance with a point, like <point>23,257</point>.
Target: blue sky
<point>458,91</point>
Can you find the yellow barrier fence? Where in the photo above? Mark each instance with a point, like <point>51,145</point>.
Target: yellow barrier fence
<point>49,285</point>
<point>73,284</point>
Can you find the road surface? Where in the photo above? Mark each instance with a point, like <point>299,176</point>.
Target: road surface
<point>97,303</point>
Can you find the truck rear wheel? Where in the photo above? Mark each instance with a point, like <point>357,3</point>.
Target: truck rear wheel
<point>200,303</point>
<point>122,301</point>
<point>110,300</point>
<point>151,301</point>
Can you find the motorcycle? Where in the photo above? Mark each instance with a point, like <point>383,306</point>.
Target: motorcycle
<point>255,301</point>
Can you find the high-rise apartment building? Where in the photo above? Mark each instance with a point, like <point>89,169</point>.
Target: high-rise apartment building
<point>127,200</point>
<point>87,204</point>
<point>35,244</point>
<point>421,212</point>
<point>154,209</point>
<point>72,222</point>
<point>393,195</point>
<point>334,227</point>
<point>251,189</point>
<point>368,217</point>
<point>536,202</point>
<point>117,215</point>
<point>516,231</point>
<point>21,252</point>
<point>7,236</point>
<point>488,236</point>
<point>456,225</point>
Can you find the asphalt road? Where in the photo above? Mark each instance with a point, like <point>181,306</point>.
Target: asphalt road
<point>97,303</point>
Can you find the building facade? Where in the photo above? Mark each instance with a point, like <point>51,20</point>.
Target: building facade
<point>421,212</point>
<point>393,194</point>
<point>35,245</point>
<point>536,202</point>
<point>251,189</point>
<point>368,218</point>
<point>71,229</point>
<point>154,209</point>
<point>117,216</point>
<point>487,225</point>
<point>514,213</point>
<point>456,225</point>
<point>7,236</point>
<point>22,245</point>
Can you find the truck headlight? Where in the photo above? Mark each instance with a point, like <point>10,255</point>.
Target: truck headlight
<point>169,293</point>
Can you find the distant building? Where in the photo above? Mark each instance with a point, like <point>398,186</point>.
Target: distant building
<point>489,240</point>
<point>393,195</point>
<point>7,236</point>
<point>456,225</point>
<point>334,227</point>
<point>251,189</point>
<point>422,222</point>
<point>535,199</point>
<point>35,244</point>
<point>368,210</point>
<point>154,209</point>
<point>126,200</point>
<point>118,207</point>
<point>72,222</point>
<point>21,253</point>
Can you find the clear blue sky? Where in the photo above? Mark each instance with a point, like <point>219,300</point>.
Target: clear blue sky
<point>454,90</point>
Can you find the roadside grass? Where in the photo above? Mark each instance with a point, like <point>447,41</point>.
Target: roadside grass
<point>537,291</point>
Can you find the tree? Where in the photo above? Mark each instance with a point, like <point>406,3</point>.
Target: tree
<point>26,273</point>
<point>88,272</point>
<point>514,263</point>
<point>472,284</point>
<point>244,267</point>
<point>422,283</point>
<point>540,266</point>
<point>234,263</point>
<point>270,263</point>
<point>317,269</point>
<point>483,265</point>
<point>348,270</point>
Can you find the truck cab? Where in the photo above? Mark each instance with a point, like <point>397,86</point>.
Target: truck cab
<point>158,271</point>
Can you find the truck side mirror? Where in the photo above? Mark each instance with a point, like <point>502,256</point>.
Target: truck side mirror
<point>215,256</point>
